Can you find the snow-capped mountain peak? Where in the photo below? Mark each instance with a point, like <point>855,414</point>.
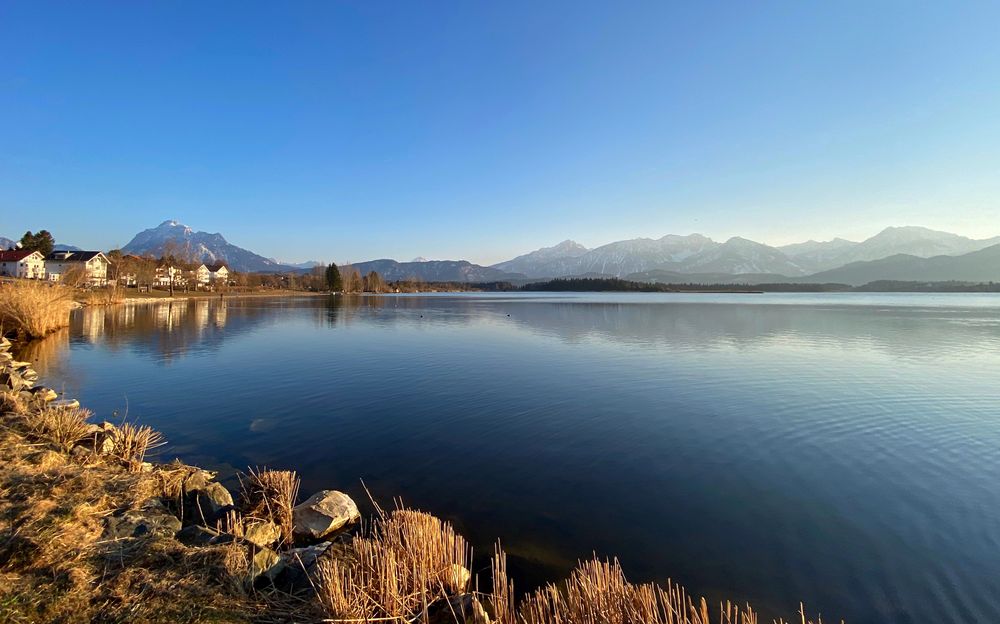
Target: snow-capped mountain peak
<point>180,240</point>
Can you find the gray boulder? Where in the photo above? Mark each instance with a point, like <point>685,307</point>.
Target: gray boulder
<point>323,513</point>
<point>262,533</point>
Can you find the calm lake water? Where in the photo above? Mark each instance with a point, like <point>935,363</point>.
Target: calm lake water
<point>841,449</point>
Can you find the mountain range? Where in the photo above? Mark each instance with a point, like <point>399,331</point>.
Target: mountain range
<point>695,253</point>
<point>436,271</point>
<point>896,253</point>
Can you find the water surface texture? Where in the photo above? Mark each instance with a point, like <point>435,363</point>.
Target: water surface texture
<point>842,450</point>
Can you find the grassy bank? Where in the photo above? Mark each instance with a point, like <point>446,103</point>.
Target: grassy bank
<point>93,532</point>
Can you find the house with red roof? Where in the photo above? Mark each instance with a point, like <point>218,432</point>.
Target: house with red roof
<point>22,263</point>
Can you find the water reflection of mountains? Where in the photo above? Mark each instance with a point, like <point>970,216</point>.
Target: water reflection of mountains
<point>173,329</point>
<point>899,331</point>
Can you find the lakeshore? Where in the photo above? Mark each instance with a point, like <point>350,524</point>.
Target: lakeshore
<point>104,534</point>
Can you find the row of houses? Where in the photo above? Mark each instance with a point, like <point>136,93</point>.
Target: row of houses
<point>92,267</point>
<point>203,275</point>
<point>33,265</point>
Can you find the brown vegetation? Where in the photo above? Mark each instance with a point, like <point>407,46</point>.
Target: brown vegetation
<point>56,564</point>
<point>33,309</point>
<point>270,495</point>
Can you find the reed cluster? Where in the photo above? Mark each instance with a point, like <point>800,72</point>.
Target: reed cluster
<point>62,426</point>
<point>131,443</point>
<point>406,562</point>
<point>270,495</point>
<point>32,309</point>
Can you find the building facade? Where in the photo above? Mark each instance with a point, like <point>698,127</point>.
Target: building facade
<point>22,264</point>
<point>91,265</point>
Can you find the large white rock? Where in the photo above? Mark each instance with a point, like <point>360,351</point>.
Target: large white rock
<point>323,513</point>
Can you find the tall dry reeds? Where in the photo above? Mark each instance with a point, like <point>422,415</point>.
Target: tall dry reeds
<point>597,592</point>
<point>131,443</point>
<point>270,495</point>
<point>409,560</point>
<point>33,309</point>
<point>406,564</point>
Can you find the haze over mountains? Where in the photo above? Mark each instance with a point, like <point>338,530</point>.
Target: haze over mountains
<point>896,253</point>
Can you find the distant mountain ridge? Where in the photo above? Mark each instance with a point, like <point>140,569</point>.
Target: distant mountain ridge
<point>695,253</point>
<point>977,266</point>
<point>435,271</point>
<point>200,246</point>
<point>6,243</point>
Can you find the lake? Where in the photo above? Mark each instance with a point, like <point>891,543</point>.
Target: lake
<point>838,449</point>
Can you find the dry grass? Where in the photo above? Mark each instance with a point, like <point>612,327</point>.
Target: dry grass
<point>131,443</point>
<point>597,592</point>
<point>32,308</point>
<point>270,495</point>
<point>408,561</point>
<point>501,600</point>
<point>56,565</point>
<point>62,426</point>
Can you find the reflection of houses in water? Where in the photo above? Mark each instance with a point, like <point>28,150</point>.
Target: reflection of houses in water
<point>126,316</point>
<point>201,314</point>
<point>219,314</point>
<point>170,316</point>
<point>46,354</point>
<point>92,325</point>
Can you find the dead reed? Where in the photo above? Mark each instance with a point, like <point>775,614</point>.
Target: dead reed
<point>270,495</point>
<point>33,309</point>
<point>130,443</point>
<point>597,592</point>
<point>409,560</point>
<point>62,426</point>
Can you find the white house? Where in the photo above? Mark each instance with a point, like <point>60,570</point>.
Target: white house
<point>167,273</point>
<point>23,264</point>
<point>202,275</point>
<point>219,272</point>
<point>92,264</point>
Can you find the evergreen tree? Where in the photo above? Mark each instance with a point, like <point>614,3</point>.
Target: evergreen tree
<point>41,242</point>
<point>333,280</point>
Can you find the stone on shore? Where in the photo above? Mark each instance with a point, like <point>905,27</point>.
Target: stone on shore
<point>461,609</point>
<point>67,403</point>
<point>152,518</point>
<point>211,502</point>
<point>45,394</point>
<point>262,533</point>
<point>323,513</point>
<point>263,561</point>
<point>457,578</point>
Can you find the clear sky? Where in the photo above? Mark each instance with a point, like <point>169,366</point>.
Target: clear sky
<point>481,130</point>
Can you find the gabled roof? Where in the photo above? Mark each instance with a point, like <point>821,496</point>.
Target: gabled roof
<point>74,256</point>
<point>214,268</point>
<point>15,255</point>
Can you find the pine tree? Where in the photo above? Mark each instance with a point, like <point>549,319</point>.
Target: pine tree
<point>333,280</point>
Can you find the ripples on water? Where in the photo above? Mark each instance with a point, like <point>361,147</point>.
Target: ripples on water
<point>843,450</point>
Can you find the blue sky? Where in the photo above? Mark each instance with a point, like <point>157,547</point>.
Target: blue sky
<point>356,130</point>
